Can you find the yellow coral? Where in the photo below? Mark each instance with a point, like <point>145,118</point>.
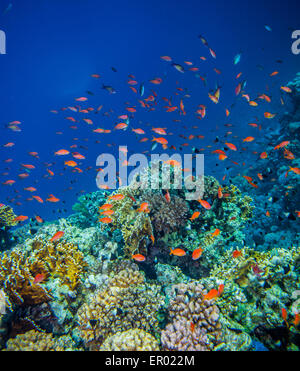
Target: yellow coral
<point>39,341</point>
<point>62,260</point>
<point>7,217</point>
<point>16,279</point>
<point>18,270</point>
<point>125,303</point>
<point>131,340</point>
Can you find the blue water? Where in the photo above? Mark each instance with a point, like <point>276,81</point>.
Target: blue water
<point>54,46</point>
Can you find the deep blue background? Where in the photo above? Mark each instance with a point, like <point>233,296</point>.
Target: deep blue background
<point>53,46</point>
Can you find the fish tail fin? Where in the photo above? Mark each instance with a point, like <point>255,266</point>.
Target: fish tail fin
<point>171,251</point>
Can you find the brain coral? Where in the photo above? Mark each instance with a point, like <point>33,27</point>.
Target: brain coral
<point>195,321</point>
<point>131,340</point>
<point>125,303</point>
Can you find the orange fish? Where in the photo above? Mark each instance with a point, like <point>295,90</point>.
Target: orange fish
<point>197,253</point>
<point>222,157</point>
<point>220,194</point>
<point>288,154</point>
<point>52,199</point>
<point>295,170</point>
<point>105,220</point>
<point>205,204</point>
<point>282,144</point>
<point>177,252</point>
<point>71,163</point>
<point>38,198</point>
<point>30,189</point>
<point>160,140</point>
<point>216,232</point>
<point>231,146</point>
<point>263,155</point>
<point>296,319</point>
<point>236,253</point>
<point>284,315</point>
<point>269,115</point>
<point>116,197</point>
<point>195,215</point>
<point>260,176</point>
<point>39,278</point>
<point>286,89</point>
<point>121,125</point>
<point>138,257</point>
<point>39,219</point>
<point>248,139</point>
<point>167,196</point>
<point>138,131</point>
<point>220,289</point>
<point>106,207</point>
<point>62,152</point>
<point>107,212</point>
<point>58,235</point>
<point>21,218</point>
<point>213,293</point>
<point>192,326</point>
<point>144,207</point>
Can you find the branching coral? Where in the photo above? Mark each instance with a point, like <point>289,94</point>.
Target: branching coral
<point>124,304</point>
<point>136,227</point>
<point>131,340</point>
<point>195,321</point>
